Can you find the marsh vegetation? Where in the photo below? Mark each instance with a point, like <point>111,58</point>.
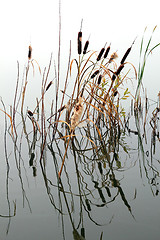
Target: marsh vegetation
<point>81,148</point>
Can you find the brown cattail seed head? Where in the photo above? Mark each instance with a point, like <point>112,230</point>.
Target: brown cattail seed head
<point>125,55</point>
<point>95,73</point>
<point>30,113</point>
<point>115,93</point>
<point>119,69</point>
<point>34,171</point>
<point>30,52</point>
<point>85,47</point>
<point>61,109</point>
<point>106,52</point>
<point>48,86</point>
<point>113,77</point>
<point>99,79</point>
<point>79,43</point>
<point>100,54</point>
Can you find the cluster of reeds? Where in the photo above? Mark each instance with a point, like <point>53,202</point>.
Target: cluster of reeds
<point>97,92</point>
<point>94,100</point>
<point>87,117</point>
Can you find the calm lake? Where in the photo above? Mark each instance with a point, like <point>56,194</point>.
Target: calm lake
<point>109,184</point>
<point>117,199</point>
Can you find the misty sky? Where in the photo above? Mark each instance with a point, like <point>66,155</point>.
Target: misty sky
<point>35,21</point>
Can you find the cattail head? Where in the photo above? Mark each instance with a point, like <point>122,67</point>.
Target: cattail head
<point>48,86</point>
<point>125,55</point>
<point>29,52</point>
<point>100,54</point>
<point>85,47</point>
<point>115,93</point>
<point>95,73</point>
<point>113,56</point>
<point>119,69</point>
<point>117,72</point>
<point>34,171</point>
<point>107,51</point>
<point>99,79</point>
<point>79,42</point>
<point>113,77</point>
<point>30,113</point>
<point>62,108</point>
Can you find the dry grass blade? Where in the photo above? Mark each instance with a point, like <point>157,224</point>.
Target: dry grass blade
<point>37,65</point>
<point>73,60</point>
<point>10,121</point>
<point>63,122</point>
<point>87,61</point>
<point>91,141</point>
<point>96,128</point>
<point>59,173</point>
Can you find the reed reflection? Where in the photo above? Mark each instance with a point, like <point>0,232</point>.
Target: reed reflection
<point>84,138</point>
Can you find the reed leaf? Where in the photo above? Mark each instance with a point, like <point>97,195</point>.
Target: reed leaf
<point>143,63</point>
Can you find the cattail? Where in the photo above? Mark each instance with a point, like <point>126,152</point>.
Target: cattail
<point>108,191</point>
<point>113,56</point>
<point>100,54</point>
<point>117,72</point>
<point>77,113</point>
<point>127,52</point>
<point>113,77</point>
<point>48,86</point>
<point>115,93</point>
<point>88,204</point>
<point>101,195</point>
<point>119,69</point>
<point>100,167</point>
<point>106,52</point>
<point>83,232</point>
<point>99,79</point>
<point>34,171</point>
<point>95,73</point>
<point>30,113</point>
<point>31,159</point>
<point>125,55</point>
<point>61,109</point>
<point>79,43</point>
<point>85,47</point>
<point>30,52</point>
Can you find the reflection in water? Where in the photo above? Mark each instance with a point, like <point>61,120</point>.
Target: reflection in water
<point>83,167</point>
<point>91,179</point>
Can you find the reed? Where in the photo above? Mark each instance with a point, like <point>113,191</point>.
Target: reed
<point>29,52</point>
<point>143,60</point>
<point>100,54</point>
<point>106,52</point>
<point>99,88</point>
<point>86,47</point>
<point>86,124</point>
<point>79,42</point>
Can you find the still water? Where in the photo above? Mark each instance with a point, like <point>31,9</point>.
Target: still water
<point>95,198</point>
<point>109,184</point>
